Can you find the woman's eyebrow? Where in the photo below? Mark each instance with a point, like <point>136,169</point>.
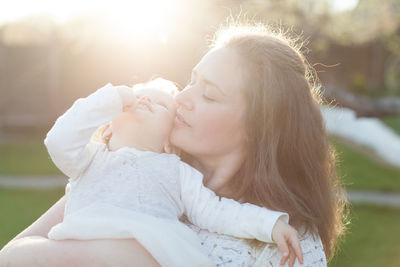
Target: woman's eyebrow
<point>214,85</point>
<point>207,81</point>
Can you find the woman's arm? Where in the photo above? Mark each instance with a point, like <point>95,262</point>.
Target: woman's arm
<point>43,224</point>
<point>37,229</point>
<point>53,216</point>
<point>32,248</point>
<point>42,252</point>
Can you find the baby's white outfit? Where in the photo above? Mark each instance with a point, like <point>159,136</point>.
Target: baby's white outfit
<point>130,193</point>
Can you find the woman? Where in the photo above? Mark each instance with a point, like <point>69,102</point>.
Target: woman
<point>250,122</point>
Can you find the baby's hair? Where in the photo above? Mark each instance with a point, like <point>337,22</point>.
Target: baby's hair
<point>158,83</point>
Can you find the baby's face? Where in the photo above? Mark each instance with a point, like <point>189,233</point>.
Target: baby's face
<point>146,123</point>
<point>151,117</point>
<point>155,105</point>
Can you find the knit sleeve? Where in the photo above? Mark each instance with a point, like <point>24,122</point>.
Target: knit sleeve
<point>68,140</point>
<point>222,215</point>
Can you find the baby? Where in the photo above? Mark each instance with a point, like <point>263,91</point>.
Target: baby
<point>124,185</point>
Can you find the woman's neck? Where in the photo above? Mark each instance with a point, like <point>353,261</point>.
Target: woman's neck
<point>218,171</point>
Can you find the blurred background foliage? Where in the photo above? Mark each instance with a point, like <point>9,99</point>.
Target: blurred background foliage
<point>45,65</point>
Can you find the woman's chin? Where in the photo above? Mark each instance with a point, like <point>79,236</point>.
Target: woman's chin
<point>176,137</point>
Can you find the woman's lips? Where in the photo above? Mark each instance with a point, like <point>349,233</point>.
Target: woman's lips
<point>179,120</point>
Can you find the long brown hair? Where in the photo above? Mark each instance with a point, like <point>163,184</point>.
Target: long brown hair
<point>290,164</point>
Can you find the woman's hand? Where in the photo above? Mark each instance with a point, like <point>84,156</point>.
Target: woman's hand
<point>34,233</point>
<point>53,216</point>
<point>32,247</point>
<point>287,239</point>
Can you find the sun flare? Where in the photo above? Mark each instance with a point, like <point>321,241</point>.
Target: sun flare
<point>125,18</point>
<point>142,18</point>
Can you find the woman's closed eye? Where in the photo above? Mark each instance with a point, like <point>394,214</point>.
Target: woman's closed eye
<point>208,98</point>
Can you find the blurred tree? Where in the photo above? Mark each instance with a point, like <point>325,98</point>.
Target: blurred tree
<point>372,26</point>
<point>55,63</point>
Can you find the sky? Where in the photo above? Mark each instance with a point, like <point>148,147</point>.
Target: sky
<point>343,5</point>
<point>62,10</point>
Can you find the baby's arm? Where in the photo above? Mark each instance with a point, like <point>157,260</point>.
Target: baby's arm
<point>68,138</point>
<point>222,215</point>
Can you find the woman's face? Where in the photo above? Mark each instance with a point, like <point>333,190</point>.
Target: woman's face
<point>210,114</point>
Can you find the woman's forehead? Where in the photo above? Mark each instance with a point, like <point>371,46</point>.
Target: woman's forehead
<point>221,66</point>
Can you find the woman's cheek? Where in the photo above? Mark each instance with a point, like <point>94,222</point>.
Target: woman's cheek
<point>220,129</point>
<point>213,131</point>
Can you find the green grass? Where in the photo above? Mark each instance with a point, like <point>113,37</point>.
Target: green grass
<point>19,208</point>
<point>393,122</point>
<point>26,159</point>
<point>361,172</point>
<point>373,238</point>
<point>358,171</point>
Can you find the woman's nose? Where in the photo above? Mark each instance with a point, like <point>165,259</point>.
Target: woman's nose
<point>184,99</point>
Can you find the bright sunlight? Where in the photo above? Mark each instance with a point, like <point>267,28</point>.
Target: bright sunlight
<point>128,18</point>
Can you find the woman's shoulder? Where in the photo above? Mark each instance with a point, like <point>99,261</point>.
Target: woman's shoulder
<point>312,248</point>
<point>230,251</point>
<point>224,250</point>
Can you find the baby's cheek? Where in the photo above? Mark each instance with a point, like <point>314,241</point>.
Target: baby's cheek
<point>124,122</point>
<point>122,119</point>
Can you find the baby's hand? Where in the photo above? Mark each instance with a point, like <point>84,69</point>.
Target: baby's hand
<point>127,95</point>
<point>287,239</point>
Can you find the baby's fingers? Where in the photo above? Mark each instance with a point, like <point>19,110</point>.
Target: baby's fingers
<point>295,245</point>
<point>292,257</point>
<point>283,249</point>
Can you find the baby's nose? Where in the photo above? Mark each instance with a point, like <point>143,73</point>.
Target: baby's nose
<point>147,98</point>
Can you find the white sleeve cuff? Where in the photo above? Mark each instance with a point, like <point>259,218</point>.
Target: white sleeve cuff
<point>271,220</point>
